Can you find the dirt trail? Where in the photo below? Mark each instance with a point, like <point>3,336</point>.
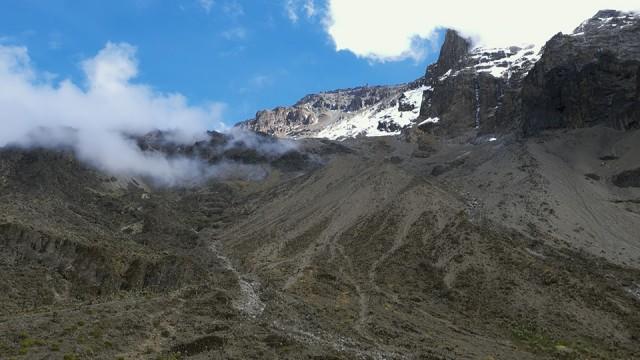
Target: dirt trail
<point>413,207</point>
<point>249,301</point>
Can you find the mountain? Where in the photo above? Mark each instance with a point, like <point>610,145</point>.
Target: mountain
<point>500,221</point>
<point>474,85</point>
<point>579,79</point>
<point>589,77</point>
<point>371,111</point>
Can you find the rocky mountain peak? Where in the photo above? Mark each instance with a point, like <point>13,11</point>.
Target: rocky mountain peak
<point>607,19</point>
<point>454,49</point>
<point>588,77</point>
<point>366,110</point>
<point>494,90</point>
<point>474,87</point>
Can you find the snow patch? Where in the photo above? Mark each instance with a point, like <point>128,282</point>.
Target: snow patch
<point>365,122</point>
<point>445,76</point>
<point>431,120</point>
<point>492,61</point>
<point>621,21</point>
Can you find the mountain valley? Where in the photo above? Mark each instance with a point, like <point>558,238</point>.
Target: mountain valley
<point>488,210</point>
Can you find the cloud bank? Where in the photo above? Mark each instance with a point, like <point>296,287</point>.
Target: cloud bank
<point>99,119</point>
<point>396,30</point>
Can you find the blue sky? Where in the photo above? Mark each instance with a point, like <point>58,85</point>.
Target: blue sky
<point>249,55</point>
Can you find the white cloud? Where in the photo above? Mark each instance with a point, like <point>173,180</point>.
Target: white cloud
<point>392,30</point>
<point>235,33</point>
<point>257,83</point>
<point>233,9</point>
<point>95,120</point>
<point>260,81</point>
<point>206,5</point>
<point>292,12</point>
<point>309,8</point>
<point>293,9</point>
<point>55,41</point>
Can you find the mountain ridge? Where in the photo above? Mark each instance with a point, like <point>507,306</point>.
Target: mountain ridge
<point>485,230</point>
<point>488,95</point>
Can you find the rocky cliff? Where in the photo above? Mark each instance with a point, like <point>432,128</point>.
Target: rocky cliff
<point>591,76</point>
<point>375,110</point>
<point>474,87</point>
<point>466,87</point>
<point>581,79</point>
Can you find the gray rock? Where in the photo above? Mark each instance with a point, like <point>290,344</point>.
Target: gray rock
<point>586,78</point>
<point>315,111</point>
<point>475,88</point>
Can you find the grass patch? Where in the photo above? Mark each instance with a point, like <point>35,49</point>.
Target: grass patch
<point>537,341</point>
<point>26,343</point>
<point>533,338</point>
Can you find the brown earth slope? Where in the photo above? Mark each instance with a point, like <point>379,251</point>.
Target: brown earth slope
<point>388,248</point>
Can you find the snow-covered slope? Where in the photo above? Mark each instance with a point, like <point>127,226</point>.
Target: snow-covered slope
<point>503,62</point>
<point>363,111</point>
<point>610,19</point>
<point>474,87</point>
<point>378,119</point>
<point>498,62</point>
<point>459,76</point>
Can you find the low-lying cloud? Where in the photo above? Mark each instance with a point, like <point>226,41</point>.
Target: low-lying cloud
<point>100,119</point>
<point>395,30</point>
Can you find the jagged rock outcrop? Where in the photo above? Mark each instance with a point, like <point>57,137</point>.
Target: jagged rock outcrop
<point>368,110</point>
<point>281,121</point>
<point>591,76</point>
<point>454,49</point>
<point>475,87</point>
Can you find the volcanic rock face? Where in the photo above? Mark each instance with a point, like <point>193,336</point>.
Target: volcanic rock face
<point>282,121</point>
<point>591,76</point>
<point>316,113</point>
<point>465,88</point>
<point>585,78</point>
<point>453,51</point>
<point>475,88</point>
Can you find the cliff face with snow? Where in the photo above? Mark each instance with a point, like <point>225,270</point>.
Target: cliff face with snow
<point>465,88</point>
<point>362,111</point>
<point>587,77</point>
<point>474,87</point>
<point>386,117</point>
